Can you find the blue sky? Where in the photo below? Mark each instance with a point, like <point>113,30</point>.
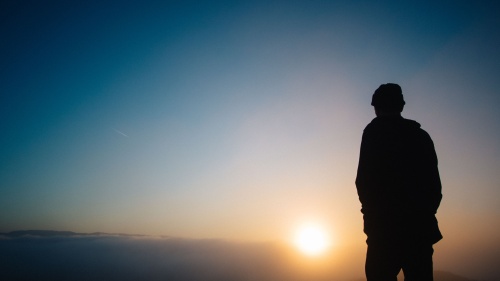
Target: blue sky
<point>238,119</point>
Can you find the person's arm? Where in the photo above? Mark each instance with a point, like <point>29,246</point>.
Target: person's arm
<point>364,174</point>
<point>432,178</point>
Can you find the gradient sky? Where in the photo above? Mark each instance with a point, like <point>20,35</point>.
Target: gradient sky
<point>241,119</point>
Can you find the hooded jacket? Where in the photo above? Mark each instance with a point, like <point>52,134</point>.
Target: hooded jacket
<point>398,181</point>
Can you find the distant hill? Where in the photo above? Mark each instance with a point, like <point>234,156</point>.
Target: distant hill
<point>42,233</point>
<point>447,276</point>
<point>56,233</point>
<point>438,276</point>
<point>166,259</point>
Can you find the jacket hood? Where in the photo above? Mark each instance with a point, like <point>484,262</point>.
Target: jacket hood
<point>393,123</point>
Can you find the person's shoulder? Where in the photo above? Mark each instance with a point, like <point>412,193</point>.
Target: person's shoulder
<point>416,127</point>
<point>409,123</point>
<point>371,127</point>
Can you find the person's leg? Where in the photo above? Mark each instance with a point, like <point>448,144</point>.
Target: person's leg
<point>417,262</point>
<point>382,262</point>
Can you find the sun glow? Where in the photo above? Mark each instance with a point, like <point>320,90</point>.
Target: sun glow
<point>311,240</point>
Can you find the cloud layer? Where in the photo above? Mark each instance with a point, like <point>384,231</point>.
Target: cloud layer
<point>65,255</point>
<point>71,256</point>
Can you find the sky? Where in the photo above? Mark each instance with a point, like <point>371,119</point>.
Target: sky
<point>242,120</point>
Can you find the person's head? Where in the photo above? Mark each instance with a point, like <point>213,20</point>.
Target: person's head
<point>388,100</point>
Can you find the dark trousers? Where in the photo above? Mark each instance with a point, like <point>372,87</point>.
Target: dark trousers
<point>385,259</point>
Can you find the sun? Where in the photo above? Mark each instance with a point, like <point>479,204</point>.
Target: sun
<point>311,240</point>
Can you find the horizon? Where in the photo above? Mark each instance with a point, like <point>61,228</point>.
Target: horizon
<point>189,256</point>
<point>242,121</point>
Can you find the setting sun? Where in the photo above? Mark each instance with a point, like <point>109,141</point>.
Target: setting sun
<point>311,240</point>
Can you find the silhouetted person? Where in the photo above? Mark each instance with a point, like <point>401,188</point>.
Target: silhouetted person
<point>400,191</point>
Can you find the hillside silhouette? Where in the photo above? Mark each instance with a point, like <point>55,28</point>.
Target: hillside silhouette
<point>65,255</point>
<point>448,276</point>
<point>57,233</point>
<point>438,276</point>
